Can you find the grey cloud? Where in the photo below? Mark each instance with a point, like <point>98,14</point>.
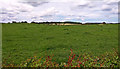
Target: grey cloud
<point>3,20</point>
<point>7,15</point>
<point>11,15</point>
<point>14,11</point>
<point>36,0</point>
<point>82,6</point>
<point>35,3</point>
<point>23,10</point>
<point>3,12</point>
<point>91,6</point>
<point>7,12</point>
<point>34,17</point>
<point>78,7</point>
<point>107,9</point>
<point>85,6</point>
<point>10,12</point>
<point>47,15</point>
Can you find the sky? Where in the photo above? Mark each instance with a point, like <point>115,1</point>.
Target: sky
<point>59,10</point>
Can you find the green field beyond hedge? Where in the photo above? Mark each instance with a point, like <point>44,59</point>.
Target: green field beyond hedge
<point>22,41</point>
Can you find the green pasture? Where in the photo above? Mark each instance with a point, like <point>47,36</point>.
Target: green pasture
<point>23,41</point>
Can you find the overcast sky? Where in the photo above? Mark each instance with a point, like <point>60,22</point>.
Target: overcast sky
<point>59,10</point>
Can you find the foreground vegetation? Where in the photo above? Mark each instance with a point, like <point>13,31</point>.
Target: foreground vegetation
<point>83,60</point>
<point>23,41</point>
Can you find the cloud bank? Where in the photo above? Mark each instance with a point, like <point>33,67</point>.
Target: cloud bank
<point>62,10</point>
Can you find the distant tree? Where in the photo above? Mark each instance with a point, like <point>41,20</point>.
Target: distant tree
<point>8,22</point>
<point>55,23</point>
<point>25,22</point>
<point>32,22</point>
<point>14,22</point>
<point>103,23</point>
<point>22,22</point>
<point>47,23</point>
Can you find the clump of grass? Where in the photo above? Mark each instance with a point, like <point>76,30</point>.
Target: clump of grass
<point>110,59</point>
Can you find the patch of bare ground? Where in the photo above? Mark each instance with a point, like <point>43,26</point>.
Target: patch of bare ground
<point>66,24</point>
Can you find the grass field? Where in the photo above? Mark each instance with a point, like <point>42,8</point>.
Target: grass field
<point>22,41</point>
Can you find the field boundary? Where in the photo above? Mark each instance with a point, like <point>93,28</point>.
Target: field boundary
<point>0,46</point>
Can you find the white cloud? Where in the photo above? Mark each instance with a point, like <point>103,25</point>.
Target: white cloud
<point>105,6</point>
<point>110,1</point>
<point>57,10</point>
<point>9,9</point>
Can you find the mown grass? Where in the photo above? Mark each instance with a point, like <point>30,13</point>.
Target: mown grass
<point>22,41</point>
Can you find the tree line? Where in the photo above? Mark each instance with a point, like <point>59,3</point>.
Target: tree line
<point>56,23</point>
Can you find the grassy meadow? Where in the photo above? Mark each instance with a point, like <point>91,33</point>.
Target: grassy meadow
<point>23,41</point>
